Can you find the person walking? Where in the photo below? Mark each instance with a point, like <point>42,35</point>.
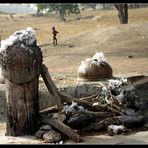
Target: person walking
<point>54,33</point>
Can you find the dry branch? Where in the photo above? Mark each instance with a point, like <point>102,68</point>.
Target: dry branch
<point>51,86</point>
<point>116,109</point>
<point>84,103</point>
<point>97,114</point>
<point>89,98</point>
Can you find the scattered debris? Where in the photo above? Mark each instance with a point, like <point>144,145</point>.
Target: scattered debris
<point>116,105</point>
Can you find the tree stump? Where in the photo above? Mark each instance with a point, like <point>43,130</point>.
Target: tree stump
<point>21,61</point>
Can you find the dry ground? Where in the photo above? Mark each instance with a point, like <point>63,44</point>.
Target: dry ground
<point>83,34</point>
<point>79,37</point>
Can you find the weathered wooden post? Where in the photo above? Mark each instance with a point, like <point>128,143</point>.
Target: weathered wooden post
<point>21,61</point>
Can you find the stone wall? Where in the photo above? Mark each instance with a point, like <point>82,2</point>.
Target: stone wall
<point>79,89</point>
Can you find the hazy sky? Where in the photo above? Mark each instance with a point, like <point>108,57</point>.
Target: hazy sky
<point>18,7</point>
<point>30,4</point>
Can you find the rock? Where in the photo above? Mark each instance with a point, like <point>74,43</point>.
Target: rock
<point>130,56</point>
<point>46,128</point>
<point>43,129</point>
<point>51,136</point>
<point>39,133</point>
<point>130,112</point>
<point>79,120</point>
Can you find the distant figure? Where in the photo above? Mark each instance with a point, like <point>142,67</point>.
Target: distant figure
<point>54,32</point>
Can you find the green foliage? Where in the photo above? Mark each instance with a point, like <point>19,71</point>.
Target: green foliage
<point>1,12</point>
<point>61,8</point>
<point>89,5</point>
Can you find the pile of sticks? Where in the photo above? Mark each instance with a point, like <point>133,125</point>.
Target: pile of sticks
<point>91,113</point>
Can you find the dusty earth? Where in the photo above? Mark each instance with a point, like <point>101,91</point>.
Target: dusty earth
<point>116,41</point>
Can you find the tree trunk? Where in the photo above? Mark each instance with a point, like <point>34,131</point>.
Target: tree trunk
<point>104,6</point>
<point>122,13</point>
<point>61,15</point>
<point>38,12</point>
<point>22,108</point>
<point>21,66</point>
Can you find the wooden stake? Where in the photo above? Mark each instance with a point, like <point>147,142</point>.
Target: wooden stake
<point>51,87</point>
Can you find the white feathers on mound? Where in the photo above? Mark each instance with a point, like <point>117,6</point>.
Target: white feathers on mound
<point>99,57</point>
<point>26,36</point>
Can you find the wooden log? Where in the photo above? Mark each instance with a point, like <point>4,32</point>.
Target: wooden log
<point>141,82</point>
<point>97,114</point>
<point>59,116</point>
<point>114,120</point>
<point>51,87</point>
<point>130,119</point>
<point>61,127</point>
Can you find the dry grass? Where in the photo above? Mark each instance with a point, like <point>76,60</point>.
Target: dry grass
<point>100,18</point>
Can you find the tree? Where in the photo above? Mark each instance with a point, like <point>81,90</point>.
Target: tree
<point>61,8</point>
<point>93,5</point>
<point>40,8</point>
<point>107,6</point>
<point>88,5</point>
<point>122,12</point>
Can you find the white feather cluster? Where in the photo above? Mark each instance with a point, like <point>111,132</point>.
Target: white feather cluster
<point>84,65</point>
<point>72,108</point>
<point>117,83</point>
<point>99,57</point>
<point>114,83</point>
<point>26,36</point>
<point>116,128</point>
